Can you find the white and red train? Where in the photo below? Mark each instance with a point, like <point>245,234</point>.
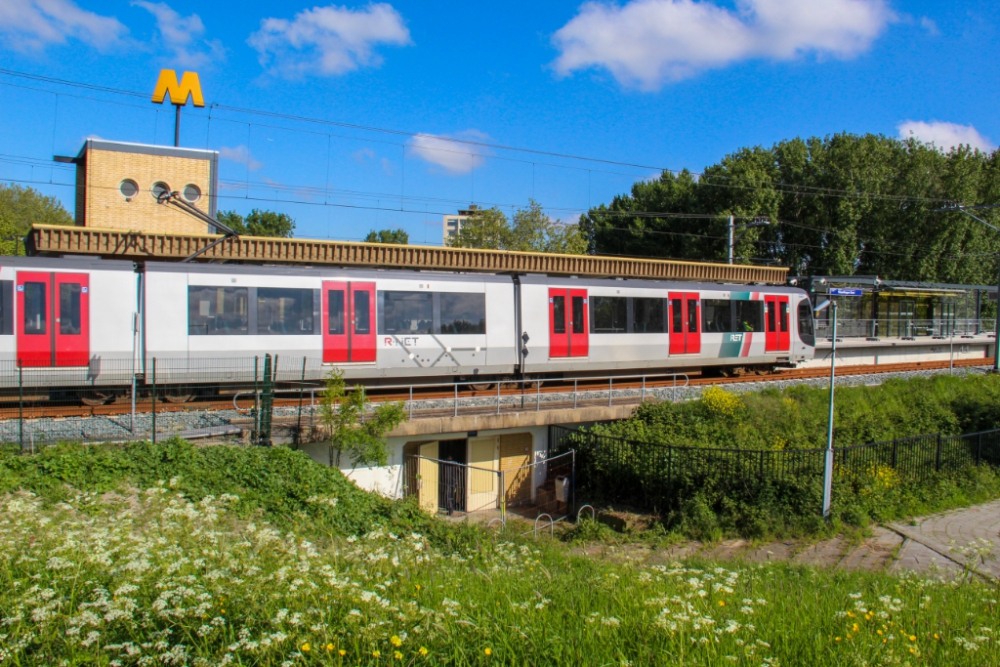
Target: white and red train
<point>82,317</point>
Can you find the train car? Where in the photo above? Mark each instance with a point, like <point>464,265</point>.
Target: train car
<point>87,323</point>
<point>574,326</point>
<point>371,324</point>
<point>67,321</point>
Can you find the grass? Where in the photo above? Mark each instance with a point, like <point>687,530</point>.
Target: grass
<point>175,555</point>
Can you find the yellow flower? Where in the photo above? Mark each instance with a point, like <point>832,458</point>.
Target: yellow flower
<point>838,639</point>
<point>936,636</point>
<point>423,651</point>
<point>329,647</point>
<point>488,651</point>
<point>418,587</point>
<point>854,628</point>
<point>396,641</point>
<point>913,638</point>
<point>722,603</point>
<point>376,654</point>
<point>342,653</point>
<point>397,655</point>
<point>305,647</point>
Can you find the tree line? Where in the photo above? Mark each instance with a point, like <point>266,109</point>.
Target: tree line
<point>840,205</point>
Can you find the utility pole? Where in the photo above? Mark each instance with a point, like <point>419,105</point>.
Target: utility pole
<point>965,209</point>
<point>733,239</point>
<point>828,457</point>
<point>177,125</point>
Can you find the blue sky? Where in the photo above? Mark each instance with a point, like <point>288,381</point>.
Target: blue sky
<point>654,83</point>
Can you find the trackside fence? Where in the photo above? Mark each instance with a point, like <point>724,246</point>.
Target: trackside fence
<point>662,477</point>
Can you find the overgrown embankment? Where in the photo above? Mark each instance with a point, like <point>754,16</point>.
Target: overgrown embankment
<point>748,464</point>
<point>797,416</point>
<point>277,484</point>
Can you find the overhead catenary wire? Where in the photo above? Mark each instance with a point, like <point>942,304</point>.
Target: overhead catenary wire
<point>703,178</point>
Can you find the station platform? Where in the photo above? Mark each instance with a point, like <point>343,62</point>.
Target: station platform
<point>861,351</point>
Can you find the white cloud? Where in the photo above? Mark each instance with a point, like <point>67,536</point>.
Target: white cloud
<point>944,135</point>
<point>646,43</point>
<point>363,155</point>
<point>453,156</point>
<point>31,25</point>
<point>182,36</point>
<point>240,154</point>
<point>327,41</point>
<point>929,25</point>
<point>388,168</point>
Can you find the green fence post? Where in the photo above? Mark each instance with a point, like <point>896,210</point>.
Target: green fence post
<point>267,402</point>
<point>154,400</point>
<point>302,386</point>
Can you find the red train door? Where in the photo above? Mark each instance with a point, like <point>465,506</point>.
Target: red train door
<point>362,321</point>
<point>53,324</point>
<point>684,313</point>
<point>348,322</point>
<point>569,330</point>
<point>777,337</point>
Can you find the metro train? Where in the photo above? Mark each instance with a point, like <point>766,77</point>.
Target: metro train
<point>76,318</point>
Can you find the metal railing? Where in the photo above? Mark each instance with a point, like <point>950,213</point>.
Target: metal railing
<point>662,477</point>
<point>906,328</point>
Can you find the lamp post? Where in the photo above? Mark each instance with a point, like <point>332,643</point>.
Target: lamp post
<point>828,458</point>
<point>996,331</point>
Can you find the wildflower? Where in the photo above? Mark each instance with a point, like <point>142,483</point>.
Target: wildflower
<point>329,647</point>
<point>488,651</point>
<point>722,603</point>
<point>342,653</point>
<point>397,655</point>
<point>305,647</point>
<point>396,641</point>
<point>913,638</point>
<point>423,651</point>
<point>376,654</point>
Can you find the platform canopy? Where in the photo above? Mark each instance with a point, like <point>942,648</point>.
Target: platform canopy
<point>53,240</point>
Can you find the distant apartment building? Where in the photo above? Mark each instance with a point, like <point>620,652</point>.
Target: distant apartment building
<point>453,223</point>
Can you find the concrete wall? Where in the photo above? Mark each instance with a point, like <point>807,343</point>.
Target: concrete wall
<point>388,479</point>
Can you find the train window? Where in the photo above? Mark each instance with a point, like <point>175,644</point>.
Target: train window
<point>69,309</point>
<point>806,323</point>
<point>218,311</point>
<point>749,315</point>
<point>407,313</point>
<point>610,314</point>
<point>6,307</point>
<point>362,312</point>
<point>579,325</point>
<point>35,311</point>
<point>783,316</point>
<point>559,314</point>
<point>717,316</point>
<point>692,316</point>
<point>647,315</point>
<point>677,316</point>
<point>283,311</point>
<point>770,316</point>
<point>335,308</point>
<point>463,313</point>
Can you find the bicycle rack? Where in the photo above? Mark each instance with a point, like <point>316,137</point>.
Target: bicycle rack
<point>552,525</point>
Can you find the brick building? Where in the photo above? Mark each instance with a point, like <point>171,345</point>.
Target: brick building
<point>117,184</point>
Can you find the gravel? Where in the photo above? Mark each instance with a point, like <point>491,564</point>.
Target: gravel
<point>218,425</point>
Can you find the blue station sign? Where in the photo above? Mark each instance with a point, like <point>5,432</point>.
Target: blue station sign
<point>845,291</point>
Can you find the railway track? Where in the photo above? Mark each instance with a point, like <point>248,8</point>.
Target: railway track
<point>531,393</point>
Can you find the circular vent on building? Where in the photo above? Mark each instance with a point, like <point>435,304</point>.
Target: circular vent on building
<point>160,189</point>
<point>128,188</point>
<point>192,193</point>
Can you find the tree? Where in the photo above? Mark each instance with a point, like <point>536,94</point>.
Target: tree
<point>397,236</point>
<point>21,207</point>
<point>838,205</point>
<point>259,223</point>
<point>531,230</point>
<point>342,412</point>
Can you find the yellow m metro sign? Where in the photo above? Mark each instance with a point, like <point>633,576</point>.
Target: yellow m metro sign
<point>190,85</point>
